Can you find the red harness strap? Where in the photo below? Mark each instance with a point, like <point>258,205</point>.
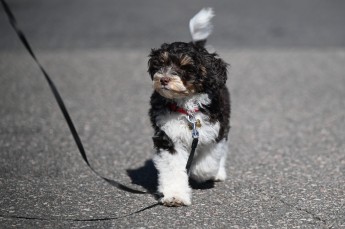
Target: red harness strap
<point>175,108</point>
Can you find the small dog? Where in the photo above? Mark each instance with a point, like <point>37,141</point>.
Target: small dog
<point>189,82</point>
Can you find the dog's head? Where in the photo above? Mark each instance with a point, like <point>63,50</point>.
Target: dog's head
<point>182,69</point>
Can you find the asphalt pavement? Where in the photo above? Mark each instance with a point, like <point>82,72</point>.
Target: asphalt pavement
<point>286,165</point>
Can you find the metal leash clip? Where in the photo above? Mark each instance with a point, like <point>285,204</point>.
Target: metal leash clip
<point>191,119</point>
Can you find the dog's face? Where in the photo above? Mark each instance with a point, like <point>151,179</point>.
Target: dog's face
<point>182,69</point>
<point>173,79</point>
<point>174,71</point>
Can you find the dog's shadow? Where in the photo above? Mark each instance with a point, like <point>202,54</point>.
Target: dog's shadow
<point>147,177</point>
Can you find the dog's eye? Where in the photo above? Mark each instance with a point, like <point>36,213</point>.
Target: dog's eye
<point>187,77</point>
<point>188,69</point>
<point>174,73</point>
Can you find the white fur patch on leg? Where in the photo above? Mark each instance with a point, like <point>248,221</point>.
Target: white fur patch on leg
<point>173,178</point>
<point>221,175</point>
<point>209,164</point>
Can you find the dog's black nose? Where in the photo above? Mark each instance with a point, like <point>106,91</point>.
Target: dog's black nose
<point>165,80</point>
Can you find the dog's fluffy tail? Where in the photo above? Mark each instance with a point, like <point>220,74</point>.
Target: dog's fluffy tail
<point>200,26</point>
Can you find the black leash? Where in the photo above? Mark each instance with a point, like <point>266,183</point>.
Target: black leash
<point>70,123</point>
<point>60,102</point>
<point>195,136</point>
<point>191,155</point>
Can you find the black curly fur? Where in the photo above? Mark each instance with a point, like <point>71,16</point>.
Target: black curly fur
<point>208,73</point>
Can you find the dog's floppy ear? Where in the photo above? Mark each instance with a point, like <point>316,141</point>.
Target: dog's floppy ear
<point>155,61</point>
<point>216,72</point>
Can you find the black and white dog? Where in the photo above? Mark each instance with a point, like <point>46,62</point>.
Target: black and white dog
<point>189,82</point>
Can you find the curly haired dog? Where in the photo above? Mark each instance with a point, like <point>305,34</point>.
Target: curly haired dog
<point>188,81</point>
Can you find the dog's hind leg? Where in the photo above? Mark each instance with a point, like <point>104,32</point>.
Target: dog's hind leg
<point>221,174</point>
<point>209,163</point>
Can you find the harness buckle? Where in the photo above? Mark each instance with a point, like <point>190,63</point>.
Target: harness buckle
<point>194,124</point>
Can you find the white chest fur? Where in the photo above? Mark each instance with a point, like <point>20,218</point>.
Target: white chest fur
<point>175,124</point>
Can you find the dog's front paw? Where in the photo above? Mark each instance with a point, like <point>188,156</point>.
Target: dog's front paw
<point>176,200</point>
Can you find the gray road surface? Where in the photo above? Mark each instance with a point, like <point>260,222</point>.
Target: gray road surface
<point>286,165</point>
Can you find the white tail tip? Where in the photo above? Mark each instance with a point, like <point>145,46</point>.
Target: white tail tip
<point>200,25</point>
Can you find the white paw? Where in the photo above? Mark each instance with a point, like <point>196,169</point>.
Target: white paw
<point>221,175</point>
<point>176,200</point>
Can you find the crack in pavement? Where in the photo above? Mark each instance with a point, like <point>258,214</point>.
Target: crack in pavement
<point>313,215</point>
